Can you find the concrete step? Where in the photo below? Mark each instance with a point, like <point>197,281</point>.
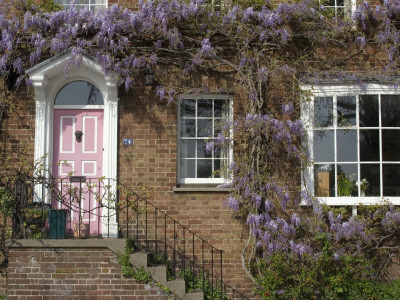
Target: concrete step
<point>139,259</point>
<point>177,286</point>
<point>159,274</point>
<point>194,296</point>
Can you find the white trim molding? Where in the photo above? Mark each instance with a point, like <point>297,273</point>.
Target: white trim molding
<point>48,78</point>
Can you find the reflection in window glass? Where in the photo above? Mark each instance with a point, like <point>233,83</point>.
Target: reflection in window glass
<point>346,111</point>
<point>187,168</point>
<point>390,145</point>
<point>369,111</point>
<point>347,145</point>
<point>200,121</point>
<point>390,106</point>
<point>391,179</point>
<point>369,145</point>
<point>371,173</point>
<point>323,111</point>
<point>188,149</point>
<point>79,93</point>
<point>188,108</point>
<point>324,149</point>
<point>188,127</point>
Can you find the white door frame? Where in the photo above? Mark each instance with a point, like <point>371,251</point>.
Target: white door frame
<point>47,79</point>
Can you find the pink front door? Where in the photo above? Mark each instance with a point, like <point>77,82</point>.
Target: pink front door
<point>77,165</point>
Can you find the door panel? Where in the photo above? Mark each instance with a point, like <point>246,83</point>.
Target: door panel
<point>72,157</point>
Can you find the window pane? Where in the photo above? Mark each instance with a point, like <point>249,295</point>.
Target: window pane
<point>369,145</point>
<point>328,2</point>
<point>217,167</point>
<point>188,108</point>
<point>204,108</point>
<point>204,127</point>
<point>201,149</point>
<point>324,180</point>
<point>371,173</point>
<point>391,145</point>
<point>221,108</point>
<point>346,110</point>
<point>369,113</point>
<point>340,12</point>
<point>347,145</point>
<point>391,180</point>
<point>347,180</point>
<point>323,146</point>
<point>188,128</point>
<point>390,106</point>
<point>188,149</point>
<point>204,168</point>
<point>79,93</point>
<point>323,111</point>
<point>188,168</point>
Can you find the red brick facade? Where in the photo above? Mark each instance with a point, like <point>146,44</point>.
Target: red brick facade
<point>152,162</point>
<point>71,274</point>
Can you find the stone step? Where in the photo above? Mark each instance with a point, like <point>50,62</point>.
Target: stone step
<point>159,274</point>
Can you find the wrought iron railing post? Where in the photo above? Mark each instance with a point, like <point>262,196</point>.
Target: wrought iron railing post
<point>146,223</point>
<point>99,213</point>
<point>90,200</point>
<point>184,255</point>
<point>193,258</point>
<point>174,262</point>
<point>202,259</point>
<point>156,229</point>
<point>212,272</point>
<point>137,221</point>
<point>127,217</point>
<point>165,238</point>
<point>222,295</point>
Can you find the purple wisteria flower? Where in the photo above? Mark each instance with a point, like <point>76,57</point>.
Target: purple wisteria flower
<point>206,48</point>
<point>287,108</point>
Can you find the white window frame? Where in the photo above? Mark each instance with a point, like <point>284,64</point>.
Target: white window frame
<point>91,6</point>
<point>185,180</point>
<point>307,111</point>
<point>352,8</point>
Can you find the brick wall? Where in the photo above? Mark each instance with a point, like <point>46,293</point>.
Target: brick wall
<point>17,130</point>
<point>152,161</point>
<point>3,287</point>
<point>71,274</point>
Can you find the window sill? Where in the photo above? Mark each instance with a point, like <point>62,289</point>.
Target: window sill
<point>343,201</point>
<point>201,188</point>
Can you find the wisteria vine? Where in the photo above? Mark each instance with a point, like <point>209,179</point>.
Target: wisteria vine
<point>267,51</point>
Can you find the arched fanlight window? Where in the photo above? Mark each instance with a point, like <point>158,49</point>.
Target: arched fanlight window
<point>79,93</point>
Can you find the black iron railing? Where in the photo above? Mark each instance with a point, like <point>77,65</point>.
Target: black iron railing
<point>93,203</point>
<point>189,256</point>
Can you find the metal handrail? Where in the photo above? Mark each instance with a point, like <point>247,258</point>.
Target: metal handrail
<point>186,250</point>
<point>147,226</point>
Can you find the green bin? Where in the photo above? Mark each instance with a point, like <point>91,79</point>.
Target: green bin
<point>57,223</point>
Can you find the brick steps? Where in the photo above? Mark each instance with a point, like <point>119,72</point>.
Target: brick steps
<point>159,274</point>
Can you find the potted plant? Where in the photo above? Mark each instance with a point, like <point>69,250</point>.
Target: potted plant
<point>364,185</point>
<point>345,186</point>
